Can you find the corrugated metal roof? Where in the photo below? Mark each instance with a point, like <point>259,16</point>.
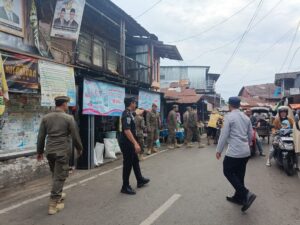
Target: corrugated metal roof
<point>265,91</point>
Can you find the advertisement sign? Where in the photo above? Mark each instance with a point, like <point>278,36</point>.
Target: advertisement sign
<point>67,19</point>
<point>12,17</point>
<point>103,99</point>
<point>294,91</point>
<point>146,99</point>
<point>56,80</point>
<point>21,73</point>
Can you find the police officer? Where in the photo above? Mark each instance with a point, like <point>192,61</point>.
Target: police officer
<point>193,127</point>
<point>172,123</point>
<point>59,129</point>
<point>130,148</point>
<point>152,128</point>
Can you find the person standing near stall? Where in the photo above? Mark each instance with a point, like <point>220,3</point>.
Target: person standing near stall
<point>172,123</point>
<point>152,129</point>
<point>58,128</point>
<point>193,127</point>
<point>140,127</point>
<point>185,124</point>
<point>130,148</point>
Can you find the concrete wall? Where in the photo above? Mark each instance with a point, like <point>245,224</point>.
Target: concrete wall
<point>18,171</point>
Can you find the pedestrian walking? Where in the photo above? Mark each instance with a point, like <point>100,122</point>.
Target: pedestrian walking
<point>212,125</point>
<point>58,128</point>
<point>152,129</point>
<point>140,127</point>
<point>237,132</point>
<point>172,123</point>
<point>130,148</point>
<point>185,124</point>
<point>193,127</point>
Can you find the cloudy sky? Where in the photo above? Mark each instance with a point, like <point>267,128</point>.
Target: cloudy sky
<point>216,34</point>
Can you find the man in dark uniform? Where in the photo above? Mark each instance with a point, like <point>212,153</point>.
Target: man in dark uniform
<point>130,148</point>
<point>58,128</point>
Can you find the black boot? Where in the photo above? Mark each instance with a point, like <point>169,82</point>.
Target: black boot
<point>127,190</point>
<point>234,199</point>
<point>250,197</point>
<point>142,182</point>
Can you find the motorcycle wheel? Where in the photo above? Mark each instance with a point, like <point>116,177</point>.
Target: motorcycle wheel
<point>288,166</point>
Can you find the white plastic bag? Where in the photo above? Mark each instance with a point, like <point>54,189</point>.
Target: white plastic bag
<point>112,143</point>
<point>98,154</point>
<point>109,148</point>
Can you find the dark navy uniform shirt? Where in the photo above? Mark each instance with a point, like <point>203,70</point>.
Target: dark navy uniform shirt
<point>127,123</point>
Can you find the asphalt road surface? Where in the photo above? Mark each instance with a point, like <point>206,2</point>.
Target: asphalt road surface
<point>187,188</point>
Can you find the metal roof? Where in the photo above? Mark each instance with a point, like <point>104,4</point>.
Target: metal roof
<point>167,51</point>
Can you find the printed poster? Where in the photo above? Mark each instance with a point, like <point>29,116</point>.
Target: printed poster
<point>12,17</point>
<point>56,80</point>
<point>21,73</point>
<point>67,19</point>
<point>103,99</point>
<point>146,99</point>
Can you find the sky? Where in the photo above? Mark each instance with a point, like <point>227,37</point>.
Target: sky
<point>217,27</point>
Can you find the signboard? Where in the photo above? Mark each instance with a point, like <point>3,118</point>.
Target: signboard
<point>294,91</point>
<point>103,99</point>
<point>146,99</point>
<point>21,73</point>
<point>12,17</point>
<point>56,80</point>
<point>67,19</point>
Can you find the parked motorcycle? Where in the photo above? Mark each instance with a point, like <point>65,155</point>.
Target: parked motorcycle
<point>284,154</point>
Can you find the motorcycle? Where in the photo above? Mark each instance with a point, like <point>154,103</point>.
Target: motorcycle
<point>285,151</point>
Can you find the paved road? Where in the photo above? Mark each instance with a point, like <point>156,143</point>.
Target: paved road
<point>187,188</point>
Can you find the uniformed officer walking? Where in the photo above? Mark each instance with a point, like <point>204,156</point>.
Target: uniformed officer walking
<point>59,129</point>
<point>185,124</point>
<point>172,123</point>
<point>193,127</point>
<point>152,128</point>
<point>130,148</point>
<point>140,127</point>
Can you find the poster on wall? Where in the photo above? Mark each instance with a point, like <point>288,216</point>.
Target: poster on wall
<point>12,17</point>
<point>21,73</point>
<point>67,19</point>
<point>56,80</point>
<point>146,99</point>
<point>103,99</point>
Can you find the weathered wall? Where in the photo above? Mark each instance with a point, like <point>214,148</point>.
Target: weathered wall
<point>18,171</point>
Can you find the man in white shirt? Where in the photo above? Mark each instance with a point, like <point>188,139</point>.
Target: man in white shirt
<point>237,133</point>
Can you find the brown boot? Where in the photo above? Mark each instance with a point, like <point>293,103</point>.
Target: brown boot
<point>149,151</point>
<point>154,150</point>
<point>171,147</point>
<point>60,205</point>
<point>201,145</point>
<point>52,207</point>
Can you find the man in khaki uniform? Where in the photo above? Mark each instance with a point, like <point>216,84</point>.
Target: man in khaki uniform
<point>140,127</point>
<point>59,129</point>
<point>193,127</point>
<point>185,124</point>
<point>172,123</point>
<point>152,128</point>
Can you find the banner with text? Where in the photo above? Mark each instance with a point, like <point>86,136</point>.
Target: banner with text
<point>56,80</point>
<point>21,73</point>
<point>103,99</point>
<point>146,99</point>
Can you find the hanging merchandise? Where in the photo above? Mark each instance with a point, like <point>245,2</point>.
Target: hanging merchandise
<point>3,88</point>
<point>56,80</point>
<point>35,28</point>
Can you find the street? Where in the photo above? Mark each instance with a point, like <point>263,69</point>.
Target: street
<point>187,188</point>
